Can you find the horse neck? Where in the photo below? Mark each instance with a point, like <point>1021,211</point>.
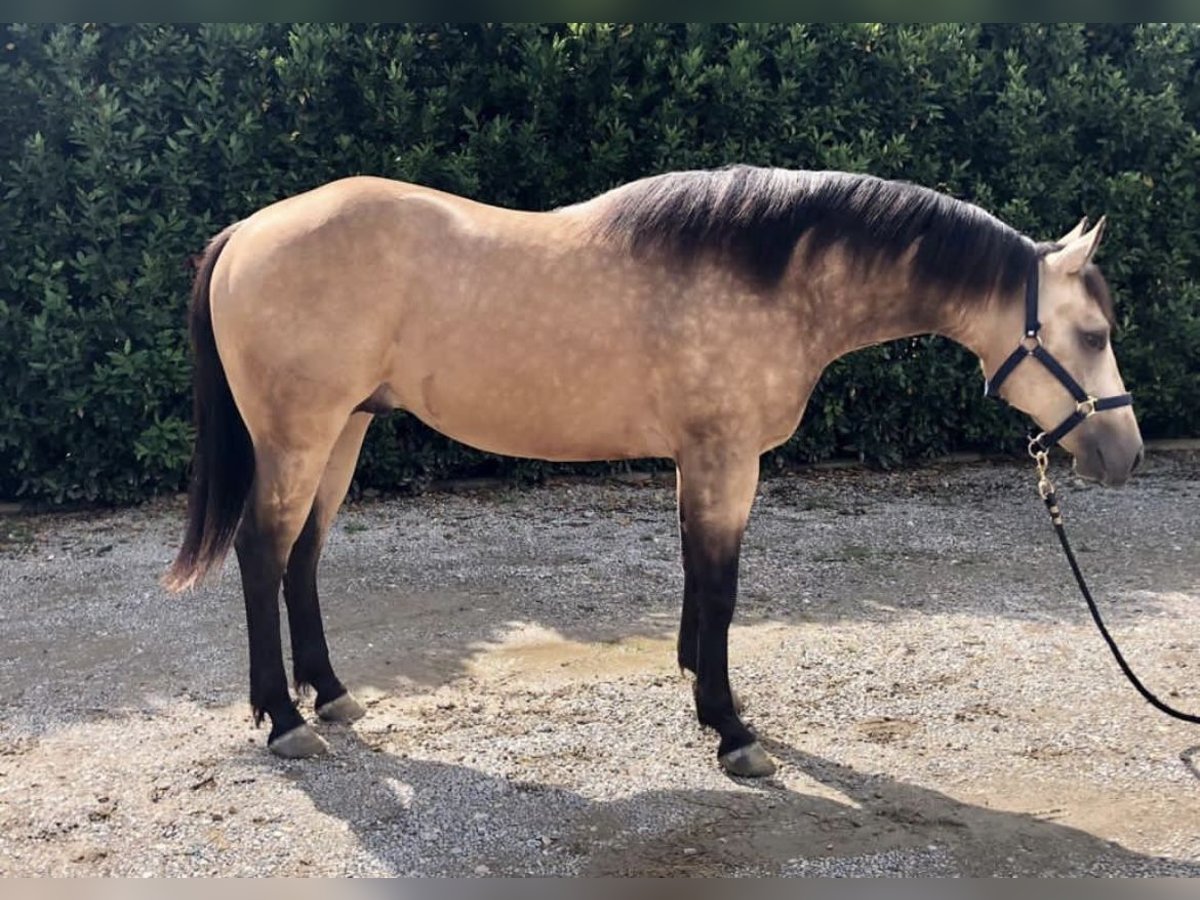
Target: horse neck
<point>848,310</point>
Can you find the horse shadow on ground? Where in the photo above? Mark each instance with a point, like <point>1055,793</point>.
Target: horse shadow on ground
<point>413,816</point>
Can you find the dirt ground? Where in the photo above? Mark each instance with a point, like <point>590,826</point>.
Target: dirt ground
<point>910,645</point>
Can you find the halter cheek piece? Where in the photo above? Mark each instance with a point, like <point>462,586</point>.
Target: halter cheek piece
<point>1031,345</point>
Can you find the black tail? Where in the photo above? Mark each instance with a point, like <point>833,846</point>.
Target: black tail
<point>223,460</point>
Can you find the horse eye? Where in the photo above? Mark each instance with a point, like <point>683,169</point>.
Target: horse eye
<point>1095,340</point>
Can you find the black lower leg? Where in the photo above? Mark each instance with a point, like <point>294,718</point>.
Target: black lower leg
<point>716,589</point>
<point>261,575</point>
<point>310,653</point>
<point>689,621</point>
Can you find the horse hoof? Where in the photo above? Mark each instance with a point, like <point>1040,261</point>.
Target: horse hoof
<point>342,709</point>
<point>751,761</point>
<point>299,743</point>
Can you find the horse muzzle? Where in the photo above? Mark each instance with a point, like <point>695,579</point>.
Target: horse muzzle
<point>1107,452</point>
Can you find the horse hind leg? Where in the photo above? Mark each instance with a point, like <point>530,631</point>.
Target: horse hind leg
<point>281,498</point>
<point>310,652</point>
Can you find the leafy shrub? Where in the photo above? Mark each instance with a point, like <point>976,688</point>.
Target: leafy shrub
<point>125,147</point>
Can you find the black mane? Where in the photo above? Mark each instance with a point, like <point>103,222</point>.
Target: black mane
<point>753,218</point>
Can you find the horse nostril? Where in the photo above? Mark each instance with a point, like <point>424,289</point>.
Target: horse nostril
<point>1137,460</point>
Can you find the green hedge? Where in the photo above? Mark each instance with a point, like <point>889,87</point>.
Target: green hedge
<point>125,147</point>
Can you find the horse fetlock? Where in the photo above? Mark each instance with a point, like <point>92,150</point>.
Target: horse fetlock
<point>282,713</point>
<point>319,681</point>
<point>721,713</point>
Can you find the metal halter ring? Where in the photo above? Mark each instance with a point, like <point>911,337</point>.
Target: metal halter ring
<point>1087,407</point>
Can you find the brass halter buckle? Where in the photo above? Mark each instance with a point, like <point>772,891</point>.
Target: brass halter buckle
<point>1087,407</point>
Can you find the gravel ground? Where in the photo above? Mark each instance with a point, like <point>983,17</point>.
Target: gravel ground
<point>910,645</point>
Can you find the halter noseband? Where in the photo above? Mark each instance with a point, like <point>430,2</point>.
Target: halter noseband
<point>1031,345</point>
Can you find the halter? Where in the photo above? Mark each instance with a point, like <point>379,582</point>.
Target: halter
<point>1031,345</point>
<point>1039,448</point>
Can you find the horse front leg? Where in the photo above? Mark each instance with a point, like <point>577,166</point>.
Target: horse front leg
<point>688,645</point>
<point>689,620</point>
<point>716,491</point>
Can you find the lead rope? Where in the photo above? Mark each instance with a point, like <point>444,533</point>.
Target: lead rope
<point>1046,490</point>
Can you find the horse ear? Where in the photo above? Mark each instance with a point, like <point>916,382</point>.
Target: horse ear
<point>1076,254</point>
<point>1074,233</point>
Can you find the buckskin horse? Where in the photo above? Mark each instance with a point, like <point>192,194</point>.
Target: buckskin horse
<point>686,316</point>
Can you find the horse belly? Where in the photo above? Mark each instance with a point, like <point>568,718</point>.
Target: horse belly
<point>539,417</point>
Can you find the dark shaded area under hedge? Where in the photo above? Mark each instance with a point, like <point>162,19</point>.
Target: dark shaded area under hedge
<point>125,147</point>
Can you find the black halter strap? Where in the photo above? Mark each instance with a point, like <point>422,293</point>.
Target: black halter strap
<point>1031,345</point>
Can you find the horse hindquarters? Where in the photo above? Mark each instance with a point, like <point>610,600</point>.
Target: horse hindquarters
<point>265,465</point>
